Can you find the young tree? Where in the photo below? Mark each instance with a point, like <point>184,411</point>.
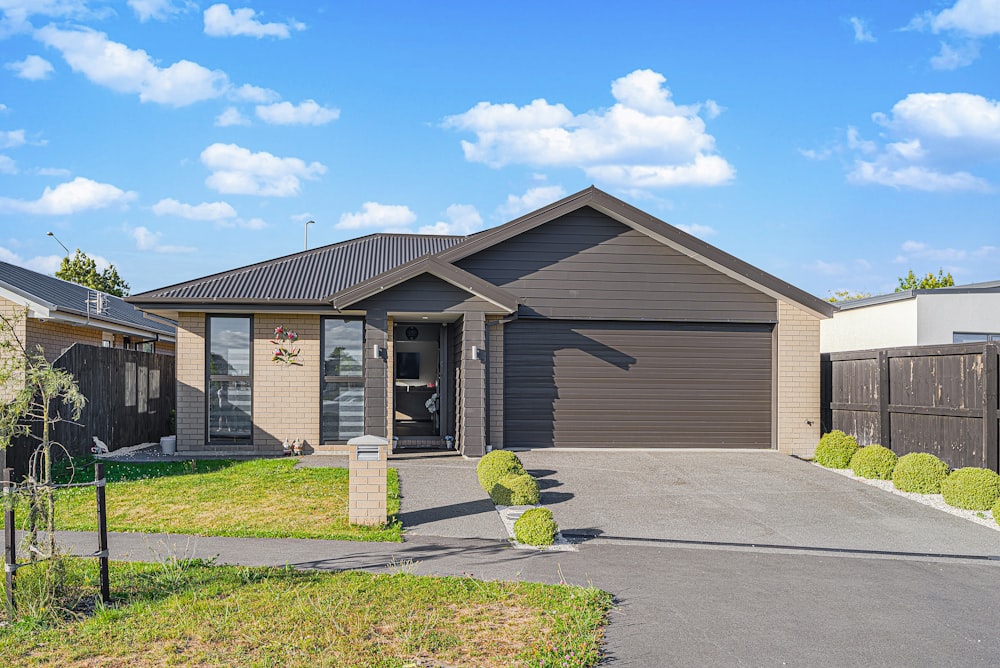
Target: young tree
<point>846,295</point>
<point>928,282</point>
<point>82,269</point>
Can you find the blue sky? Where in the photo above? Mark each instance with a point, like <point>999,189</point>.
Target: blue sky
<point>834,144</point>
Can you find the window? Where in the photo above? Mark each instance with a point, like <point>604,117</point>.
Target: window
<point>230,380</point>
<point>342,412</point>
<point>973,337</point>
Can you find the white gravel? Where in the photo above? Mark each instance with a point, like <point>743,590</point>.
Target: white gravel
<point>509,515</point>
<point>983,517</point>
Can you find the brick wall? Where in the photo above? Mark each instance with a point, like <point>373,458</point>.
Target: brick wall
<point>55,337</point>
<point>191,382</point>
<point>798,381</point>
<point>13,312</point>
<point>286,402</point>
<point>495,381</point>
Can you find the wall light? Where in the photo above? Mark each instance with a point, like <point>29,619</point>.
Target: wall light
<point>475,352</point>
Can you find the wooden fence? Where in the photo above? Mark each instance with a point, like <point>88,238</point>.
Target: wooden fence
<point>936,399</point>
<point>130,396</point>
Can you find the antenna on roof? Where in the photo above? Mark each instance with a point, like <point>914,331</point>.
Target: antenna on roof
<point>97,303</point>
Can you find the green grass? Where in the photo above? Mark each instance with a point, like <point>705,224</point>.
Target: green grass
<point>189,613</point>
<point>265,498</point>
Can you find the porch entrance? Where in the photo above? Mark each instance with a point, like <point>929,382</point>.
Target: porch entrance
<point>420,381</point>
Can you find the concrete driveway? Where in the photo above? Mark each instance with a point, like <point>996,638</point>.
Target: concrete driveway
<point>739,499</point>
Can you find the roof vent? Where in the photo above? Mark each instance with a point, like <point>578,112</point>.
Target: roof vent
<point>97,303</point>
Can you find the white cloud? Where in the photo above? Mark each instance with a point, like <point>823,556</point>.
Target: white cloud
<point>940,137</point>
<point>463,219</point>
<point>698,230</point>
<point>979,18</point>
<point>12,138</point>
<point>375,215</point>
<point>220,21</point>
<point>213,211</point>
<point>32,68</point>
<point>158,10</point>
<point>644,140</point>
<point>533,198</point>
<point>126,70</point>
<point>235,170</point>
<point>14,14</point>
<point>816,154</point>
<point>306,113</point>
<point>75,196</point>
<point>147,240</point>
<point>7,165</point>
<point>252,224</point>
<point>862,33</point>
<point>919,250</point>
<point>45,264</point>
<point>255,94</point>
<point>231,116</point>
<point>57,172</point>
<point>952,58</point>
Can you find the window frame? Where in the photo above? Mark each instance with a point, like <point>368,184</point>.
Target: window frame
<point>988,337</point>
<point>323,378</point>
<point>209,377</point>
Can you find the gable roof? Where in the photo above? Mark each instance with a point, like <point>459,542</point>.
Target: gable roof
<point>50,297</point>
<point>305,278</point>
<point>987,287</point>
<point>427,265</point>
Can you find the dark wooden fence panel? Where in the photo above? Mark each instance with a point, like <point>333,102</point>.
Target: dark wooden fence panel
<point>936,399</point>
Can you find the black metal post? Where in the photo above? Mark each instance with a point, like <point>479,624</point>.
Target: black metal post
<point>9,536</point>
<point>102,532</point>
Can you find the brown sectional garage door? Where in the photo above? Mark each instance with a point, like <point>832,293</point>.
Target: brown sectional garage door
<point>629,384</point>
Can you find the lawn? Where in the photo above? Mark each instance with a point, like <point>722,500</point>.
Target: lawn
<point>190,613</point>
<point>260,498</point>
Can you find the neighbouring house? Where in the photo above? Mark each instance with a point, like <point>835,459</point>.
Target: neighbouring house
<point>957,314</point>
<point>587,323</point>
<point>60,313</point>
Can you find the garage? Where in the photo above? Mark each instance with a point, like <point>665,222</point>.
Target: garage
<point>579,384</point>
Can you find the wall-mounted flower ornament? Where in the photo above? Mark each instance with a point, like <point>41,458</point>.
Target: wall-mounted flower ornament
<point>284,351</point>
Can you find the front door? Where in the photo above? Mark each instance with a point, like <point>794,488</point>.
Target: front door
<point>417,380</point>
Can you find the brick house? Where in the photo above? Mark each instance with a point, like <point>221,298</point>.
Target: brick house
<point>587,323</point>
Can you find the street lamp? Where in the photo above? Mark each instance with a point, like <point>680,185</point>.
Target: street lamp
<point>49,234</point>
<point>305,243</point>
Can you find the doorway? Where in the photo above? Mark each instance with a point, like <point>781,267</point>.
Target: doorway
<point>418,384</point>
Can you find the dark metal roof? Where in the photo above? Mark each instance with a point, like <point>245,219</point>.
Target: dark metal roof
<point>306,277</point>
<point>967,289</point>
<point>62,296</point>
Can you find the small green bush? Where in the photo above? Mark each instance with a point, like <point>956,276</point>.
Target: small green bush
<point>919,472</point>
<point>971,488</point>
<point>874,462</point>
<point>536,527</point>
<point>996,511</point>
<point>835,450</point>
<point>495,465</point>
<point>515,489</point>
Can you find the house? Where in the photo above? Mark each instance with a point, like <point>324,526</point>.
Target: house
<point>60,314</point>
<point>587,323</point>
<point>957,314</point>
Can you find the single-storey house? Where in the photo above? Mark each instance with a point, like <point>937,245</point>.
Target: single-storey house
<point>60,313</point>
<point>956,314</point>
<point>587,323</point>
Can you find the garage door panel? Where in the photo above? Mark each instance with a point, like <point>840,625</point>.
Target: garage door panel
<point>616,384</point>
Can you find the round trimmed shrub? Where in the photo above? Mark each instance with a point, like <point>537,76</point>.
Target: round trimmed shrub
<point>835,450</point>
<point>996,511</point>
<point>971,488</point>
<point>874,462</point>
<point>495,465</point>
<point>919,472</point>
<point>515,489</point>
<point>536,527</point>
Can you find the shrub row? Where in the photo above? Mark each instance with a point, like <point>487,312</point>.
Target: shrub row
<point>502,475</point>
<point>969,488</point>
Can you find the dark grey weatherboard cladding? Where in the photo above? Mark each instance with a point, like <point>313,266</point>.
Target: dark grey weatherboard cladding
<point>587,265</point>
<point>634,384</point>
<point>425,294</point>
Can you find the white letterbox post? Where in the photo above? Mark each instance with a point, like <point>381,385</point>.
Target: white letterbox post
<point>368,469</point>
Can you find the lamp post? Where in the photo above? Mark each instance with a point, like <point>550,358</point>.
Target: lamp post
<point>305,242</point>
<point>49,234</point>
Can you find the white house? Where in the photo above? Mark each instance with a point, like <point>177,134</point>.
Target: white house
<point>959,314</point>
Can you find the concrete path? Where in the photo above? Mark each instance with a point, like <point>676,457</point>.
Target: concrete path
<point>691,606</point>
<point>739,498</point>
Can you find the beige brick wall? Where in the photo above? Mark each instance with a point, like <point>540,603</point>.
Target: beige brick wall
<point>495,381</point>
<point>191,382</point>
<point>286,402</point>
<point>798,382</point>
<point>15,315</point>
<point>55,337</point>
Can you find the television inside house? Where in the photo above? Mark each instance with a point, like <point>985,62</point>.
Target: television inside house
<point>408,366</point>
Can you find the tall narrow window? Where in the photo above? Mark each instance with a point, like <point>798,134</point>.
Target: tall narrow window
<point>230,382</point>
<point>343,395</point>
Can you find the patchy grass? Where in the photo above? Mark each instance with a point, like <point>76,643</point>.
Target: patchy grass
<point>190,613</point>
<point>260,498</point>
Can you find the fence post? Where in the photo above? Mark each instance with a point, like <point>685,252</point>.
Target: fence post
<point>9,536</point>
<point>102,531</point>
<point>991,442</point>
<point>885,425</point>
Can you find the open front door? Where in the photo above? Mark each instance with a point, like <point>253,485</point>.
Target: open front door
<point>419,387</point>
